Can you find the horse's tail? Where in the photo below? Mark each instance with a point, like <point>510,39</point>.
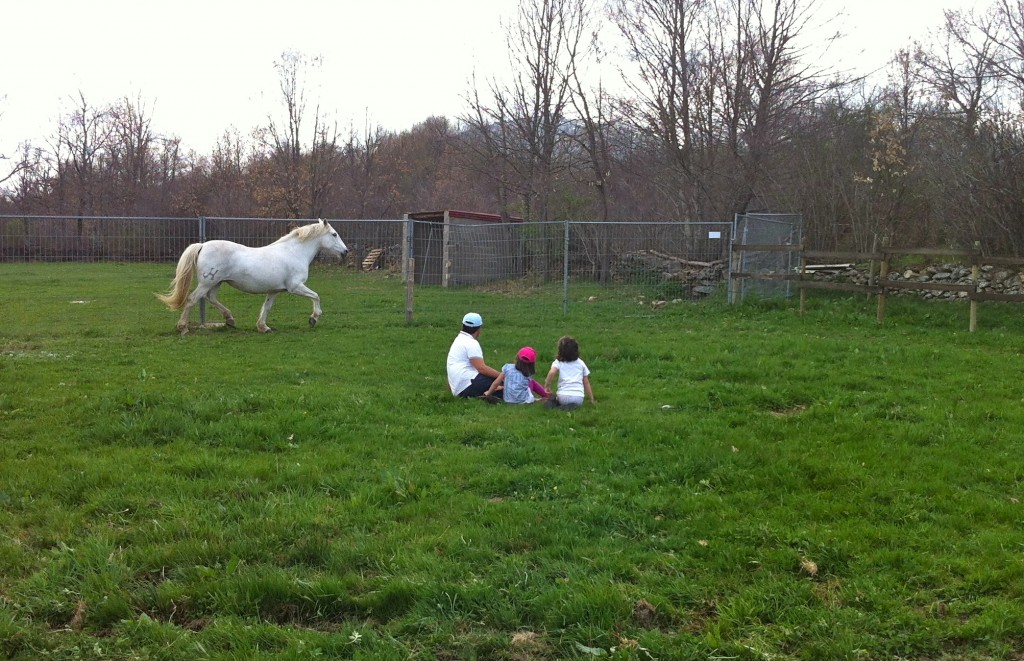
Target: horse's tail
<point>175,298</point>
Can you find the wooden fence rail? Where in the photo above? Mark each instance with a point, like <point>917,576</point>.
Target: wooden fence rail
<point>880,285</point>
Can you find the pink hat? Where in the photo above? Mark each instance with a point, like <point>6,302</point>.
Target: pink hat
<point>527,354</point>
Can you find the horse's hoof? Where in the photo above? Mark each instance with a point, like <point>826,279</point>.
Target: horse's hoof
<point>230,323</point>
<point>312,322</point>
<point>266,329</point>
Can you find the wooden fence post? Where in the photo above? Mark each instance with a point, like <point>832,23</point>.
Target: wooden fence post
<point>975,276</point>
<point>883,274</point>
<point>803,290</point>
<point>872,265</point>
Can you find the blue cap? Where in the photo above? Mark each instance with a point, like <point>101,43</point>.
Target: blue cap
<point>473,320</point>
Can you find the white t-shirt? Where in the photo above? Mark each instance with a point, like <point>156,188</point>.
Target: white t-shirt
<point>460,371</point>
<point>570,377</point>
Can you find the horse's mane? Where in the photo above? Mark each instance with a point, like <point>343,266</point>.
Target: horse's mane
<point>306,232</point>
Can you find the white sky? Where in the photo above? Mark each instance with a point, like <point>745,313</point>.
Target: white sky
<point>203,66</point>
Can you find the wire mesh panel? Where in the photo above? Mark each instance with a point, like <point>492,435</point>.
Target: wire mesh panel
<point>671,260</point>
<point>538,267</point>
<point>768,229</point>
<point>85,238</point>
<point>128,239</point>
<point>562,262</point>
<point>482,253</point>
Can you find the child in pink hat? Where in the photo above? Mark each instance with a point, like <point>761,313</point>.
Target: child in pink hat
<point>520,386</point>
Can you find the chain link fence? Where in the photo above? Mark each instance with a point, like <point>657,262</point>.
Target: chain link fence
<point>149,239</point>
<point>653,261</point>
<point>555,263</point>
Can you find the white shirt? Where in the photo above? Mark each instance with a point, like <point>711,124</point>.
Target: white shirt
<point>570,377</point>
<point>460,371</point>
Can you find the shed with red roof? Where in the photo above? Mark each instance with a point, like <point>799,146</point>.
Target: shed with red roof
<point>454,248</point>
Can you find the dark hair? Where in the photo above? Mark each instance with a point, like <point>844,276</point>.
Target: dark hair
<point>568,349</point>
<point>470,329</point>
<point>525,368</point>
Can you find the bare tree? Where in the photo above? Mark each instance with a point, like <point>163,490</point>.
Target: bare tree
<point>83,140</point>
<point>227,182</point>
<point>671,85</point>
<point>1003,24</point>
<point>771,86</point>
<point>593,106</point>
<point>368,190</point>
<point>14,165</point>
<point>523,122</point>
<point>303,168</point>
<point>28,190</point>
<point>132,142</point>
<point>969,159</point>
<point>487,147</point>
<point>961,66</point>
<point>595,117</point>
<point>720,83</point>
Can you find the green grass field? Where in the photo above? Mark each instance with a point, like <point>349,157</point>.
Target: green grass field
<point>751,484</point>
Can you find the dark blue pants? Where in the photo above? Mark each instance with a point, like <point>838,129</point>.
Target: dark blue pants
<point>477,386</point>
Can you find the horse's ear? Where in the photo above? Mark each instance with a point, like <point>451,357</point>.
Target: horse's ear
<point>323,222</point>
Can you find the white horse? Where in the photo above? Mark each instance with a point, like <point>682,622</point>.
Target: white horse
<point>281,266</point>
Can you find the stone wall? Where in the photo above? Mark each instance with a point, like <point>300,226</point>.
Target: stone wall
<point>995,279</point>
<point>702,279</point>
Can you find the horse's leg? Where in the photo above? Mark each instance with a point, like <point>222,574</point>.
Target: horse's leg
<point>190,301</point>
<point>212,297</point>
<point>302,290</point>
<point>264,311</point>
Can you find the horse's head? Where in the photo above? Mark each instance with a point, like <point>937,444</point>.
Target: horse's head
<point>330,241</point>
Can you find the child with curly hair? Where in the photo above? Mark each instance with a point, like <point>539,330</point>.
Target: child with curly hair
<point>573,377</point>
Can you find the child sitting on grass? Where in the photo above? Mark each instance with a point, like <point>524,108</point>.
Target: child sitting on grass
<point>573,377</point>
<point>520,387</point>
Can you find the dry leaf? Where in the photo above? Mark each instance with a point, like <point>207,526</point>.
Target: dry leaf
<point>628,643</point>
<point>521,638</point>
<point>79,617</point>
<point>809,567</point>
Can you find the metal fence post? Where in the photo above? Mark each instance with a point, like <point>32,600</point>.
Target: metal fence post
<point>202,301</point>
<point>735,260</point>
<point>409,266</point>
<point>565,270</point>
